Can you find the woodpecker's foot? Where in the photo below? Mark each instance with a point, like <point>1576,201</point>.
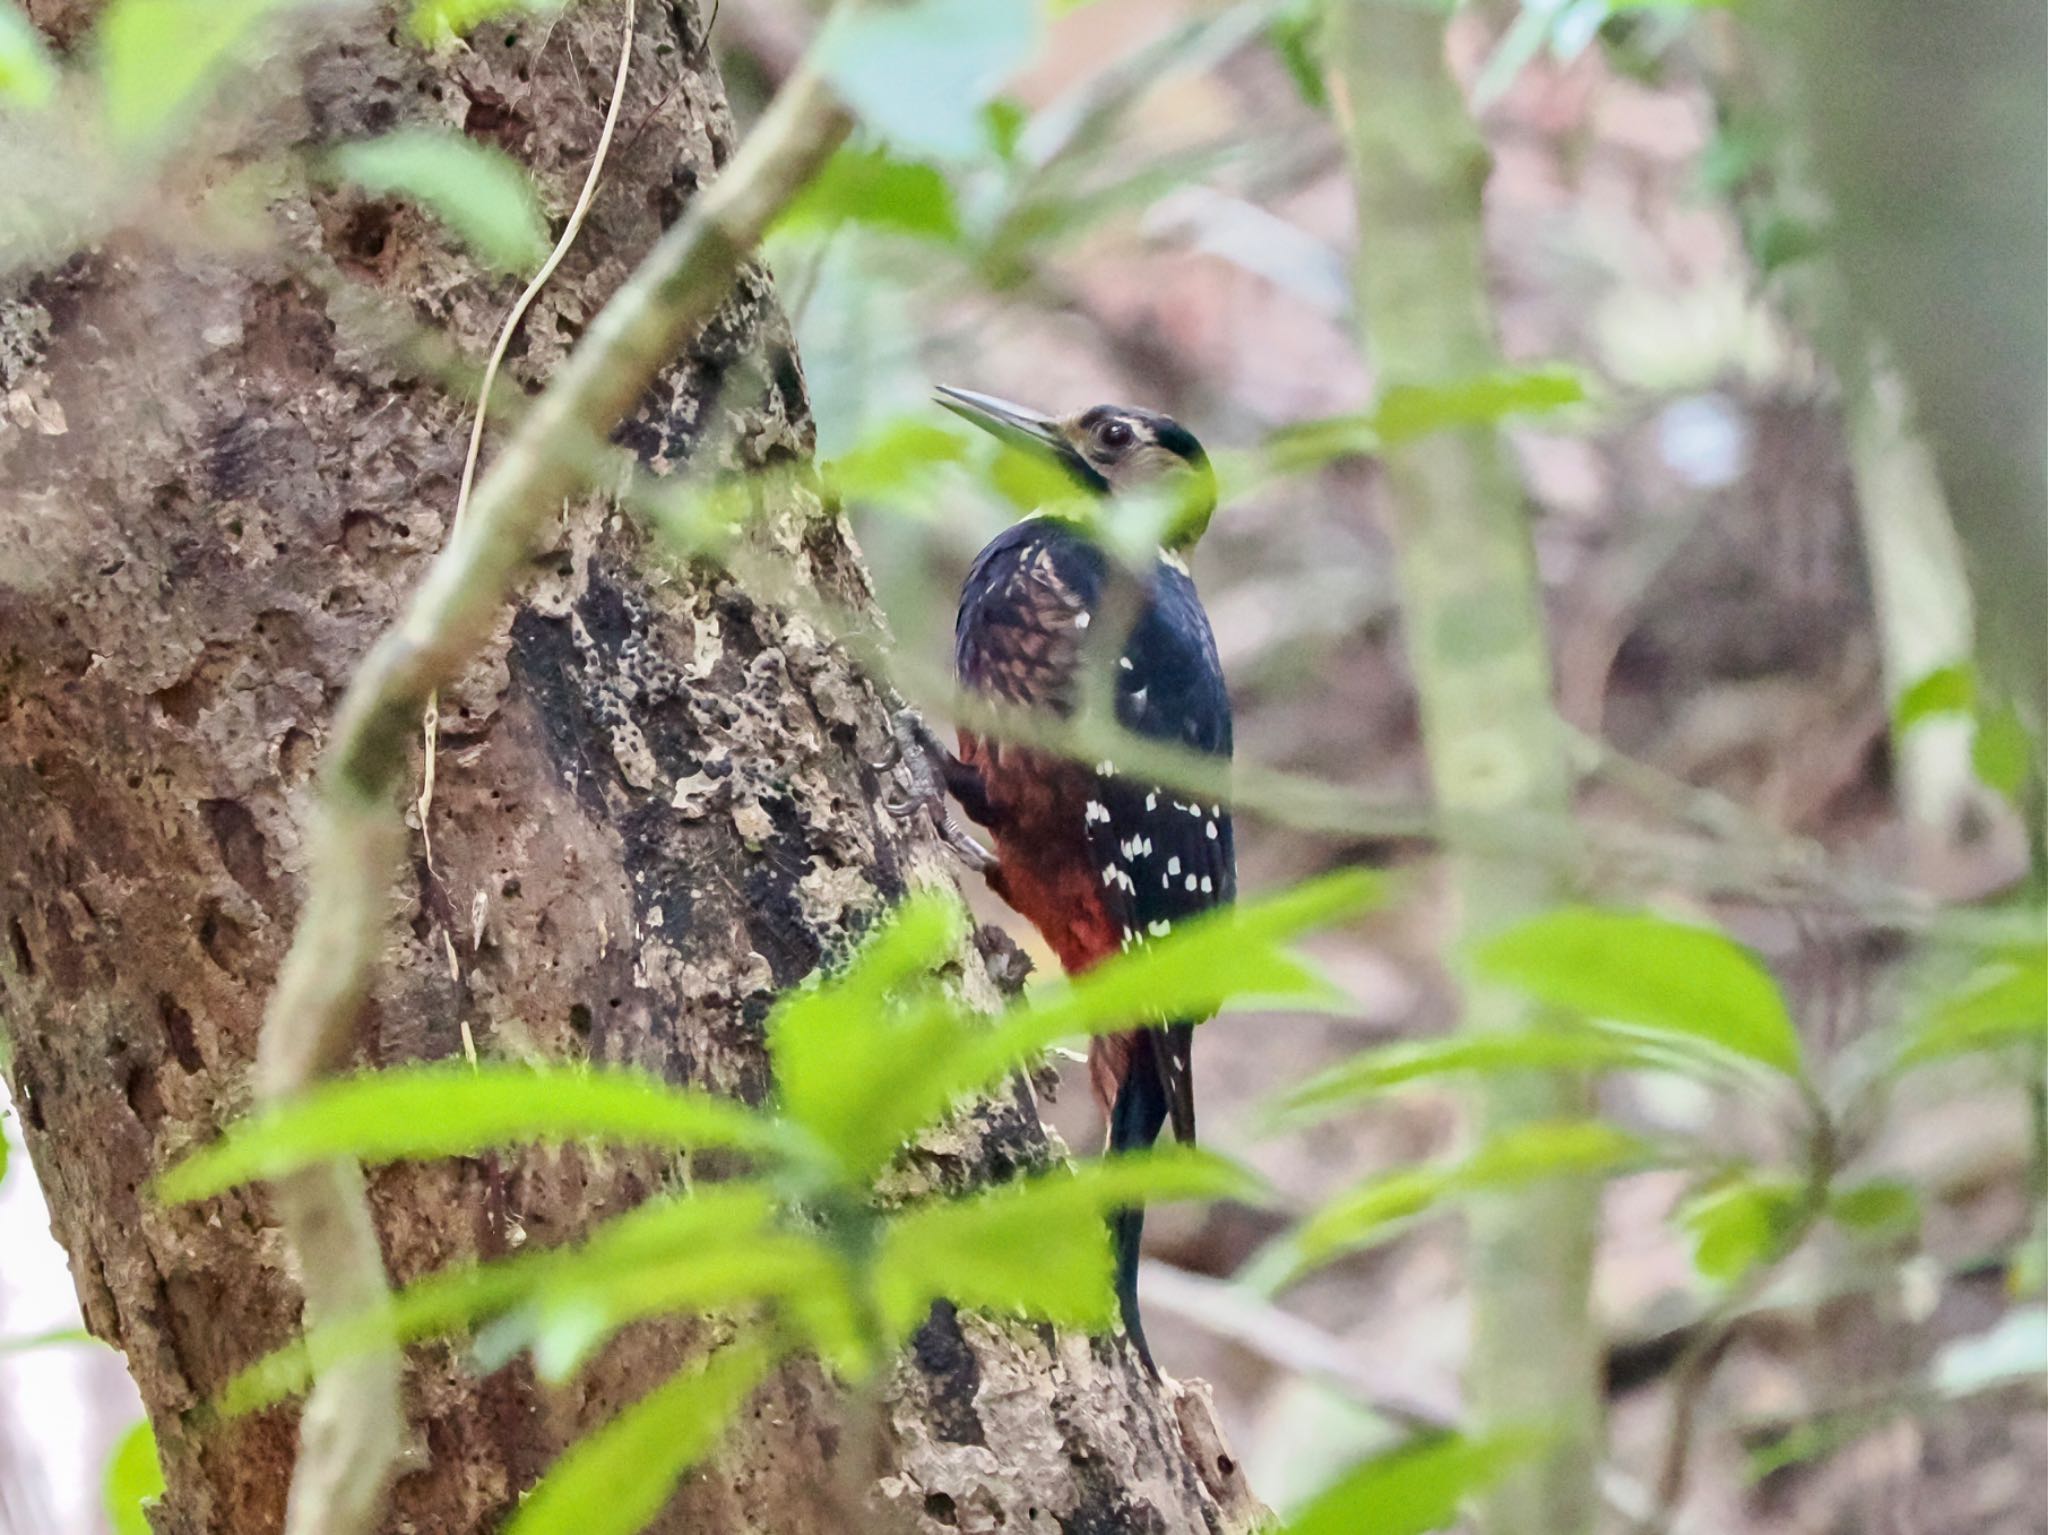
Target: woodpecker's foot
<point>917,754</point>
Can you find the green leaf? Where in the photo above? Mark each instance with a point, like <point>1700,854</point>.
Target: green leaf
<point>1373,1211</point>
<point>1648,973</point>
<point>1409,411</point>
<point>480,193</point>
<point>919,73</point>
<point>159,59</point>
<point>872,187</point>
<point>2006,1004</point>
<point>1946,690</point>
<point>1408,1491</point>
<point>2014,1349</point>
<point>1037,1247</point>
<point>1547,1047</point>
<point>695,1253</point>
<point>134,1479</point>
<point>1738,1223</point>
<point>447,1109</point>
<point>892,460</point>
<point>54,1338</point>
<point>1877,1207</point>
<point>614,1482</point>
<point>28,75</point>
<point>438,21</point>
<point>2002,752</point>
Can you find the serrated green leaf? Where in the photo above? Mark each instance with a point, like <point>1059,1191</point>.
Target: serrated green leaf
<point>158,60</point>
<point>919,73</point>
<point>438,21</point>
<point>28,75</point>
<point>1739,1223</point>
<point>1411,1490</point>
<point>482,194</point>
<point>1877,1207</point>
<point>2002,752</point>
<point>1946,690</point>
<point>1037,1247</point>
<point>1375,1209</point>
<point>696,1253</point>
<point>1648,973</point>
<point>134,1479</point>
<point>2006,1004</point>
<point>410,1113</point>
<point>614,1482</point>
<point>870,186</point>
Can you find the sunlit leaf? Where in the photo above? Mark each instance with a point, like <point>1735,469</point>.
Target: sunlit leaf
<point>1375,1209</point>
<point>452,1109</point>
<point>1408,1491</point>
<point>919,73</point>
<point>1037,1247</point>
<point>54,1338</point>
<point>158,59</point>
<point>134,1479</point>
<point>2014,1349</point>
<point>1877,1207</point>
<point>1946,690</point>
<point>614,1482</point>
<point>1738,1223</point>
<point>480,193</point>
<point>871,186</point>
<point>2006,1004</point>
<point>2002,752</point>
<point>695,1253</point>
<point>437,21</point>
<point>27,73</point>
<point>1544,1048</point>
<point>1648,973</point>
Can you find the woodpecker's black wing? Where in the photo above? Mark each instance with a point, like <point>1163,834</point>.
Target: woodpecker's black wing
<point>1165,855</point>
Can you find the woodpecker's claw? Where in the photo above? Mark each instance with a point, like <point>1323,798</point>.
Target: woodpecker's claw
<point>916,752</point>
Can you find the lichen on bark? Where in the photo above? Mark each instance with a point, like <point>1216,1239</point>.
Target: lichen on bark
<point>653,807</point>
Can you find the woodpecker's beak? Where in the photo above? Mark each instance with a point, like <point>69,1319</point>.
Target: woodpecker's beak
<point>1022,428</point>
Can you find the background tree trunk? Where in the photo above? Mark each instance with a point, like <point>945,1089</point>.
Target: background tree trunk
<point>652,810</point>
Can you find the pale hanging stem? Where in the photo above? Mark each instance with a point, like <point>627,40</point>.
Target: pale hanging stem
<point>430,723</point>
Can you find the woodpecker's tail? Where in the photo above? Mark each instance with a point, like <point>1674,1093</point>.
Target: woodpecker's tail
<point>1156,1083</point>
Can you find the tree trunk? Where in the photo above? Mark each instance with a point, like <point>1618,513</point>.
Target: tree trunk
<point>652,809</point>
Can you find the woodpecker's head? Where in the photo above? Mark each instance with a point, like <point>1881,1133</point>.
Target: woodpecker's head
<point>1109,451</point>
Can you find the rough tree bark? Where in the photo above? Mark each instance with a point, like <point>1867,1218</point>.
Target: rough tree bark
<point>652,809</point>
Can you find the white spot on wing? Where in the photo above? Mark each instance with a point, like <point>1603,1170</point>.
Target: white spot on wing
<point>1081,620</point>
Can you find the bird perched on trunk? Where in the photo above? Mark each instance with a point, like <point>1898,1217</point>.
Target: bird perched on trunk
<point>1098,859</point>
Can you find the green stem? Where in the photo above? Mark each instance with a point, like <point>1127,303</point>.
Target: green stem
<point>1476,642</point>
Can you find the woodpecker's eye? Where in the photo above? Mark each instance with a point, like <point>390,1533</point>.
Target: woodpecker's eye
<point>1113,434</point>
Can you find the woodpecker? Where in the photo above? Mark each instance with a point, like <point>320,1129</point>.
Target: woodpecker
<point>1099,860</point>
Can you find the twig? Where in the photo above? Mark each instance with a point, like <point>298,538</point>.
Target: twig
<point>430,725</point>
<point>350,1440</point>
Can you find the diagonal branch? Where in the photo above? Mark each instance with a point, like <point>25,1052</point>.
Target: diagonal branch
<point>351,1431</point>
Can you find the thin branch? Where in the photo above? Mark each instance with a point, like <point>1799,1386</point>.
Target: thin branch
<point>353,1422</point>
<point>430,725</point>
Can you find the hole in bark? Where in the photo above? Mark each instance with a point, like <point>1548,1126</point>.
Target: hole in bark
<point>223,939</point>
<point>243,852</point>
<point>1225,1465</point>
<point>181,699</point>
<point>17,939</point>
<point>939,1506</point>
<point>143,1096</point>
<point>178,1032</point>
<point>295,754</point>
<point>367,233</point>
<point>580,1020</point>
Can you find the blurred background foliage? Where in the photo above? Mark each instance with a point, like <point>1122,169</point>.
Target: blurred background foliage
<point>1796,649</point>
